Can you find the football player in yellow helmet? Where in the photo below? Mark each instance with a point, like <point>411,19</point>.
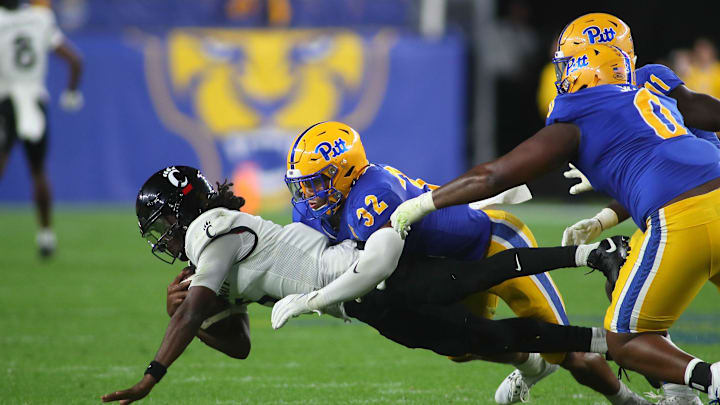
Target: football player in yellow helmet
<point>322,165</point>
<point>337,191</point>
<point>632,143</point>
<point>699,111</point>
<point>592,29</point>
<point>595,65</point>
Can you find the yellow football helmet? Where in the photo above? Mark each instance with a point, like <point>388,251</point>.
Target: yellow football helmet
<point>592,29</point>
<point>595,66</point>
<point>323,163</point>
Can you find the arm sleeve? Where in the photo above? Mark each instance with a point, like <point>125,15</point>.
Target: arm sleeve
<point>218,257</point>
<point>376,263</point>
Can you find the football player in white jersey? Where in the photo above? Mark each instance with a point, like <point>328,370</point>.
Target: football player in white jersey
<point>27,34</point>
<point>243,258</point>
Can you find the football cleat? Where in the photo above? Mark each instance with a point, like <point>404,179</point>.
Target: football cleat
<point>608,258</point>
<point>676,394</point>
<point>516,386</point>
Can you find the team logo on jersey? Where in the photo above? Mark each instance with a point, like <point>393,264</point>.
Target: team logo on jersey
<point>327,150</point>
<point>576,63</point>
<point>595,35</point>
<point>206,228</point>
<point>174,177</point>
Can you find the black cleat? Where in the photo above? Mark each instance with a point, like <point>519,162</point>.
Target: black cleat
<point>608,258</point>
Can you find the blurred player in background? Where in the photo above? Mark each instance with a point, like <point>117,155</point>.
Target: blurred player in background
<point>337,191</point>
<point>242,258</point>
<point>698,110</point>
<point>632,144</point>
<point>27,34</point>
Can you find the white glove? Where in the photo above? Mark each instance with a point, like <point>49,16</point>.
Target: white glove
<point>584,184</point>
<point>588,229</point>
<point>410,212</point>
<point>290,307</point>
<point>71,100</point>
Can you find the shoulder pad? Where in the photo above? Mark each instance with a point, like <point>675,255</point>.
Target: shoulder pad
<point>208,226</point>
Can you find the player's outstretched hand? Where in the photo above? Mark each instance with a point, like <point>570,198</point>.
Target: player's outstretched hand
<point>136,393</point>
<point>290,307</point>
<point>582,232</point>
<point>584,184</point>
<point>410,212</point>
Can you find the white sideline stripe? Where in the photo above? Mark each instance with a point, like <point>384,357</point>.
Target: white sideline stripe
<point>618,304</point>
<point>653,272</point>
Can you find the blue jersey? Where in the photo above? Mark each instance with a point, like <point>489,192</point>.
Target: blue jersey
<point>661,79</point>
<point>458,232</point>
<point>635,147</point>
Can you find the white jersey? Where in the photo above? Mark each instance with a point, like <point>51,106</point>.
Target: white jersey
<point>27,34</point>
<point>259,261</point>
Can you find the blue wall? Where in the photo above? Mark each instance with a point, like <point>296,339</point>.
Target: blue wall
<point>230,102</point>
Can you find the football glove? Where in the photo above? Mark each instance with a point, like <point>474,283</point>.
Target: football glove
<point>588,229</point>
<point>410,212</point>
<point>290,307</point>
<point>584,184</point>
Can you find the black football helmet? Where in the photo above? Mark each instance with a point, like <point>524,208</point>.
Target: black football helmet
<point>166,205</point>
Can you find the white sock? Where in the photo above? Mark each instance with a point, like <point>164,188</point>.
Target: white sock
<point>677,390</point>
<point>534,365</point>
<point>598,344</point>
<point>46,237</point>
<point>621,396</point>
<point>582,253</point>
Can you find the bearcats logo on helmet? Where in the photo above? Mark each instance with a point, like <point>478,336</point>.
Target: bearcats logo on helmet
<point>173,176</point>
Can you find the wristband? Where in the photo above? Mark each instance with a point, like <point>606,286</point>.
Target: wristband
<point>607,218</point>
<point>156,370</point>
<point>426,203</point>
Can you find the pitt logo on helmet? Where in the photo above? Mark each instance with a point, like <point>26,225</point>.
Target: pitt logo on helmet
<point>595,35</point>
<point>323,163</point>
<point>591,29</point>
<point>325,148</point>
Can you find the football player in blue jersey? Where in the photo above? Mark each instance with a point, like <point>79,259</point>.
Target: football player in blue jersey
<point>698,110</point>
<point>337,191</point>
<point>632,144</point>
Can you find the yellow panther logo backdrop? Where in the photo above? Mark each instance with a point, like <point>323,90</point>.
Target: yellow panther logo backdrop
<point>240,96</point>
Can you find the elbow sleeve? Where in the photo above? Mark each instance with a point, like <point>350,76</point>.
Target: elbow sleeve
<point>382,253</point>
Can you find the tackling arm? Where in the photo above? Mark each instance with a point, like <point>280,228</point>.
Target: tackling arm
<point>377,262</point>
<point>699,110</point>
<point>547,149</point>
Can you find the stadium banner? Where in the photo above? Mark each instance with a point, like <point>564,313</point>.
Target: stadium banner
<point>230,101</point>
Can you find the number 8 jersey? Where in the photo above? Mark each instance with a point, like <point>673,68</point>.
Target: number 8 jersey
<point>26,36</point>
<point>635,147</point>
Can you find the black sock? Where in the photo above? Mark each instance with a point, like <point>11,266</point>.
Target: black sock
<point>444,281</point>
<point>701,377</point>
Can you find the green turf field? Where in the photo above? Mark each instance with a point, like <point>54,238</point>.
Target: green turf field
<point>89,321</point>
